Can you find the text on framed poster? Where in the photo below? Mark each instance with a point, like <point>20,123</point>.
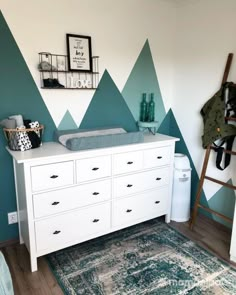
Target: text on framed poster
<point>79,53</point>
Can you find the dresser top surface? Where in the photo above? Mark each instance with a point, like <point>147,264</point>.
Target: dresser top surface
<point>56,150</point>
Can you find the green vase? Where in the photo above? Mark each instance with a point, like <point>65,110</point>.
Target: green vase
<point>143,109</point>
<point>151,109</point>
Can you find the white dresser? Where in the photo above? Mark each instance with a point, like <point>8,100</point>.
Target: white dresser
<point>66,197</point>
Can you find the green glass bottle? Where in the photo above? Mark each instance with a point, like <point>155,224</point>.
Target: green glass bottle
<point>143,109</point>
<point>151,109</point>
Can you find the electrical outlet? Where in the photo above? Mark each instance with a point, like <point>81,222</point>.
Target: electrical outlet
<point>12,218</point>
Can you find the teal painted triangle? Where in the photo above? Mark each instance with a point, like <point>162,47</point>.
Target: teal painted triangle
<point>143,79</point>
<point>223,201</point>
<point>164,128</point>
<point>19,95</point>
<point>108,108</point>
<point>67,122</point>
<point>170,127</point>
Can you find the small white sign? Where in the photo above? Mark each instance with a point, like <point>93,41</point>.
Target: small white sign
<point>80,83</point>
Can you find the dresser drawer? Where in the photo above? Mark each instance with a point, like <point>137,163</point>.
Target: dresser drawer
<point>139,182</point>
<point>52,176</point>
<point>127,162</point>
<point>156,157</point>
<point>58,231</point>
<point>71,198</point>
<point>92,168</point>
<point>147,205</point>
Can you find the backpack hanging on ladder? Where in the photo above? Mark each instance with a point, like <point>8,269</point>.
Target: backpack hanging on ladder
<point>217,130</point>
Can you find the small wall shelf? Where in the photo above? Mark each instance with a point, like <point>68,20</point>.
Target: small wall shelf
<point>54,73</point>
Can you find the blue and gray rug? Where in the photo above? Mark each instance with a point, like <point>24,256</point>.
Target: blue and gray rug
<point>149,258</point>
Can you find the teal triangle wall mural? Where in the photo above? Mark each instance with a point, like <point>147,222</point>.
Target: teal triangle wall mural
<point>19,95</point>
<point>143,79</point>
<point>67,122</point>
<point>223,201</point>
<point>170,127</point>
<point>108,108</point>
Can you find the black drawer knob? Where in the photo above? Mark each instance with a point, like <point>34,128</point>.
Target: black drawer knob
<point>158,178</point>
<point>130,162</point>
<point>95,168</point>
<point>129,210</point>
<point>129,185</point>
<point>159,157</point>
<point>95,220</point>
<point>96,193</point>
<point>157,202</point>
<point>56,232</point>
<point>54,176</point>
<point>55,203</point>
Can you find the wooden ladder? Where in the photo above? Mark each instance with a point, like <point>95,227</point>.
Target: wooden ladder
<point>205,164</point>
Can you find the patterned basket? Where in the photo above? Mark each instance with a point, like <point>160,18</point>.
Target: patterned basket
<point>22,139</point>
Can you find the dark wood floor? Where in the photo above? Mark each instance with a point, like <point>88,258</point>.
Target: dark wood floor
<point>211,235</point>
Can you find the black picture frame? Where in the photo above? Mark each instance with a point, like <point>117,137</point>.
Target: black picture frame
<point>79,51</point>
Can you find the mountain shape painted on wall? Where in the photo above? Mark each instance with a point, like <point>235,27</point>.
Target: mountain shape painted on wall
<point>223,201</point>
<point>17,87</point>
<point>170,127</point>
<point>108,108</point>
<point>19,95</point>
<point>67,122</point>
<point>143,79</point>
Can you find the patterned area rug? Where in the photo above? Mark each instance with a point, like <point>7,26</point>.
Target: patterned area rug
<point>149,258</point>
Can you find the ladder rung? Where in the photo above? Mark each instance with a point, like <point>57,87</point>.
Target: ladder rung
<point>225,151</point>
<point>216,213</point>
<point>230,118</point>
<point>221,182</point>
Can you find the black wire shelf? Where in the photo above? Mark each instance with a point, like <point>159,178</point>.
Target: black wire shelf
<point>54,73</point>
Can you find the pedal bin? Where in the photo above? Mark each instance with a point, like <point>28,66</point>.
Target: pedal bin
<point>180,207</point>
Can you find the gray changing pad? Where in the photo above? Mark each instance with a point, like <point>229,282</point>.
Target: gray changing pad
<point>76,140</point>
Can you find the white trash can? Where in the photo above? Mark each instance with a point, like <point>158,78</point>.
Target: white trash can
<point>180,208</point>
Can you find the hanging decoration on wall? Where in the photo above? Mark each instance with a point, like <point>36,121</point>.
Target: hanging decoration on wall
<point>54,73</point>
<point>79,52</point>
<point>76,70</point>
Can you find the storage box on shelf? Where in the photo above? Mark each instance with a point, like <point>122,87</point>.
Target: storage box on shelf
<point>54,73</point>
<point>65,197</point>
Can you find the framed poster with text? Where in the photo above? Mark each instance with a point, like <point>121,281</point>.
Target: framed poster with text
<point>79,53</point>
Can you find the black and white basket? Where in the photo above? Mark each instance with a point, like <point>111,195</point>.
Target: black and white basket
<point>20,139</point>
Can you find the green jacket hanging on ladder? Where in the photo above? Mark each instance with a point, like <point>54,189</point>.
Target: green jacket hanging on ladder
<point>213,113</point>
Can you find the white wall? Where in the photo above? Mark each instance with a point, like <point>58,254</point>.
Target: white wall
<point>205,36</point>
<point>118,29</point>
